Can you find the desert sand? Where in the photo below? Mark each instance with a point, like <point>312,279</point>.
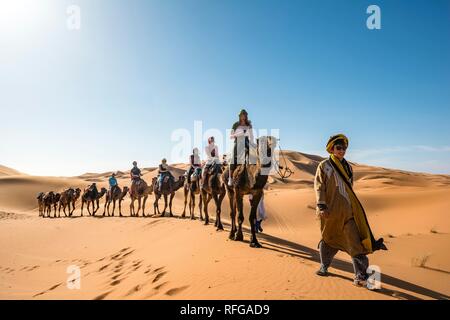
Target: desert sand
<point>174,258</point>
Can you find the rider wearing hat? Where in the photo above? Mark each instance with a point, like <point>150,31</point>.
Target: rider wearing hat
<point>135,172</point>
<point>242,133</point>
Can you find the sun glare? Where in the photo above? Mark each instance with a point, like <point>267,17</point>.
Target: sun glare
<point>20,15</point>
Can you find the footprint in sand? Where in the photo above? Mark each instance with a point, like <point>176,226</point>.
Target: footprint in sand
<point>159,276</point>
<point>103,267</point>
<point>175,291</point>
<point>161,285</point>
<point>116,276</point>
<point>115,282</point>
<point>134,290</point>
<point>158,269</point>
<point>103,295</point>
<point>48,290</point>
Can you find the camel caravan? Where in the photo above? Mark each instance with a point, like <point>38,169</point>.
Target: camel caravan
<point>247,174</point>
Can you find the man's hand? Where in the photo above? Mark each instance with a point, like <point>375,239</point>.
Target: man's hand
<point>324,213</point>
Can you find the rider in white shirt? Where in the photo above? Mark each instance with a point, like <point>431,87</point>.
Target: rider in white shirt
<point>212,157</point>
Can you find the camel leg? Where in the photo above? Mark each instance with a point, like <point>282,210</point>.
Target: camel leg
<point>165,205</point>
<point>96,202</point>
<point>71,210</point>
<point>82,205</point>
<point>205,206</point>
<point>104,207</point>
<point>120,208</point>
<point>172,195</point>
<point>139,206</point>
<point>88,203</point>
<point>218,203</point>
<point>240,207</point>
<point>252,219</point>
<point>192,205</point>
<point>186,193</point>
<point>132,207</point>
<point>232,215</point>
<point>155,205</point>
<point>143,205</point>
<point>114,207</point>
<point>200,204</point>
<point>204,197</point>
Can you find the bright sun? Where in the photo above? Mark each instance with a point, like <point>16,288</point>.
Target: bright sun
<point>18,15</point>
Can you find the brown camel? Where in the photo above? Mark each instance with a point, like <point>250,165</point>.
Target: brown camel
<point>242,185</point>
<point>50,199</point>
<point>139,191</point>
<point>214,188</point>
<point>40,199</point>
<point>65,200</point>
<point>90,196</point>
<point>168,187</point>
<point>191,189</point>
<point>75,197</point>
<point>117,195</point>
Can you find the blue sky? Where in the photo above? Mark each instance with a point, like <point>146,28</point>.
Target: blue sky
<point>115,90</point>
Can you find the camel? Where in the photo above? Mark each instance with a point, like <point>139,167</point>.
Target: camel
<point>50,199</point>
<point>191,189</point>
<point>139,191</point>
<point>265,150</point>
<point>169,187</point>
<point>65,200</point>
<point>117,195</point>
<point>75,197</point>
<point>40,199</point>
<point>88,197</point>
<point>214,188</point>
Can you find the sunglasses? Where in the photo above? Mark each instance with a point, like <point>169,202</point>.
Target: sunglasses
<point>340,148</point>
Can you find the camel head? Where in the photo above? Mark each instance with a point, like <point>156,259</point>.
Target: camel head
<point>103,191</point>
<point>125,190</point>
<point>77,193</point>
<point>56,197</point>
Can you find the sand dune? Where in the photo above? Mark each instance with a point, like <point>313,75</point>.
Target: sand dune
<point>5,171</point>
<point>172,258</point>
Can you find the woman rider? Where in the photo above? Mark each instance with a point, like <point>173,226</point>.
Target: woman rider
<point>163,170</point>
<point>212,158</point>
<point>195,162</point>
<point>242,133</point>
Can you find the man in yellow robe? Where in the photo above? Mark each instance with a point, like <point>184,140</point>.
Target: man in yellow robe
<point>344,224</point>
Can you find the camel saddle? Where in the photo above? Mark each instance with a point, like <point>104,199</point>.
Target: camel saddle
<point>196,174</point>
<point>138,186</point>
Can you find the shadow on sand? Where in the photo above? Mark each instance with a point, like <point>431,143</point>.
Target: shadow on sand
<point>297,250</point>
